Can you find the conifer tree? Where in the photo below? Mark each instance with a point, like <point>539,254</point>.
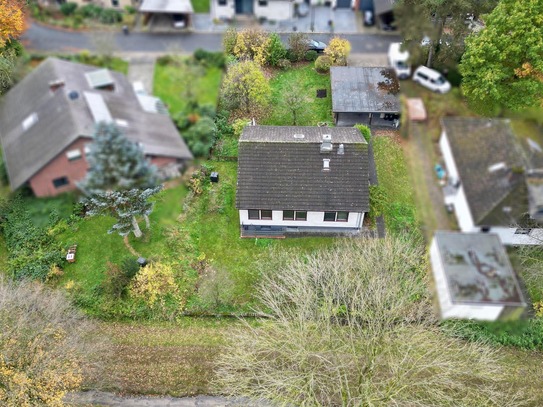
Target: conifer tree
<point>116,163</point>
<point>120,181</point>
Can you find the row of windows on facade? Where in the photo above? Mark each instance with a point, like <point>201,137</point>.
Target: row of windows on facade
<point>266,214</point>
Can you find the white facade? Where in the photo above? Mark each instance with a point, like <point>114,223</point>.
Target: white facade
<point>277,10</point>
<point>314,220</point>
<point>508,235</point>
<point>447,308</point>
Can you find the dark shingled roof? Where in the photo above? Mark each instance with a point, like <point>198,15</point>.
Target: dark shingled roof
<point>62,120</point>
<point>278,171</point>
<point>364,90</point>
<point>478,144</point>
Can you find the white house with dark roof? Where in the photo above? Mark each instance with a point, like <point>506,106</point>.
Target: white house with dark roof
<point>302,180</point>
<point>494,179</point>
<point>47,121</point>
<point>365,95</point>
<point>474,278</point>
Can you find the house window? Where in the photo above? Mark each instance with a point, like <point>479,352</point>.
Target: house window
<point>262,3</point>
<point>115,3</point>
<point>294,215</point>
<point>263,214</point>
<point>73,154</point>
<point>523,231</point>
<point>288,215</point>
<point>222,2</point>
<point>301,215</point>
<point>60,182</point>
<point>340,216</point>
<point>329,216</point>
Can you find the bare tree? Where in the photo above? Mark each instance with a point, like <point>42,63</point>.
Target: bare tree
<point>353,326</point>
<point>296,102</point>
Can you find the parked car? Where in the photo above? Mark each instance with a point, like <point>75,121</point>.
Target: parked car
<point>431,79</point>
<point>313,45</point>
<point>399,60</point>
<point>179,21</point>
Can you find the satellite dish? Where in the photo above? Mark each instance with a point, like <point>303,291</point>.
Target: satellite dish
<point>534,146</point>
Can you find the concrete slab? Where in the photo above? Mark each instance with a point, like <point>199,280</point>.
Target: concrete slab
<point>141,68</point>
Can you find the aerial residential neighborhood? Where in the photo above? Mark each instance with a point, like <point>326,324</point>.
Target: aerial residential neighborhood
<point>261,203</point>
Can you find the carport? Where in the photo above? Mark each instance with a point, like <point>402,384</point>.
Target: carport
<point>363,95</point>
<point>172,13</point>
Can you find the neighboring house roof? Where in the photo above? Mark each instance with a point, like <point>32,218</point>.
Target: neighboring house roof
<point>382,6</point>
<point>167,6</point>
<point>280,170</point>
<point>70,112</point>
<point>362,89</point>
<point>477,269</point>
<point>491,164</point>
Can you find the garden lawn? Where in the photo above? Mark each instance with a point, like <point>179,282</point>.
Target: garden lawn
<point>213,223</point>
<point>95,247</point>
<point>399,212</point>
<point>200,6</point>
<point>169,88</point>
<point>316,110</point>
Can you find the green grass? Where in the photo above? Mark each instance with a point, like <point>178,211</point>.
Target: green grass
<point>315,110</point>
<point>214,225</point>
<point>95,247</point>
<point>200,6</point>
<point>169,87</point>
<point>399,213</point>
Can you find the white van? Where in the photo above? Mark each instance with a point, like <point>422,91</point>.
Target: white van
<point>398,59</point>
<point>431,79</point>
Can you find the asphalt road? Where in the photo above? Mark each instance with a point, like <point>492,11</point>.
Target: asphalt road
<point>44,39</point>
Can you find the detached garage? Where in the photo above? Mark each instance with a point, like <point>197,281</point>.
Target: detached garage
<point>171,13</point>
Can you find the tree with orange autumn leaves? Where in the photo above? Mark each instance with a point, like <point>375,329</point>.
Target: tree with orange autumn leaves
<point>12,22</point>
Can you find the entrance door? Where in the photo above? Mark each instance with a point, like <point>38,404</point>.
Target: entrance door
<point>244,6</point>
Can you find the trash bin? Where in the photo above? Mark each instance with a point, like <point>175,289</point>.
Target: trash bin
<point>125,29</point>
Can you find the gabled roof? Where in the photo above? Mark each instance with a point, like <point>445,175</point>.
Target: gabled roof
<point>491,165</point>
<point>362,89</point>
<point>477,269</point>
<point>281,170</point>
<point>66,114</point>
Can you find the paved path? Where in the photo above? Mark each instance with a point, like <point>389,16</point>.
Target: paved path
<point>141,68</point>
<point>103,399</point>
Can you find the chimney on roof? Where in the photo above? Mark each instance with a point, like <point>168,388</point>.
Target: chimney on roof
<point>326,145</point>
<point>341,149</point>
<point>56,84</point>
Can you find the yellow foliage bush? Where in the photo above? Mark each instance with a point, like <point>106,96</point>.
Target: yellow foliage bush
<point>12,20</point>
<point>538,308</point>
<point>252,44</point>
<point>338,50</point>
<point>154,281</point>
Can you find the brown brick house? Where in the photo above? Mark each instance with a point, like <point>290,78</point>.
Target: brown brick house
<point>47,122</point>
